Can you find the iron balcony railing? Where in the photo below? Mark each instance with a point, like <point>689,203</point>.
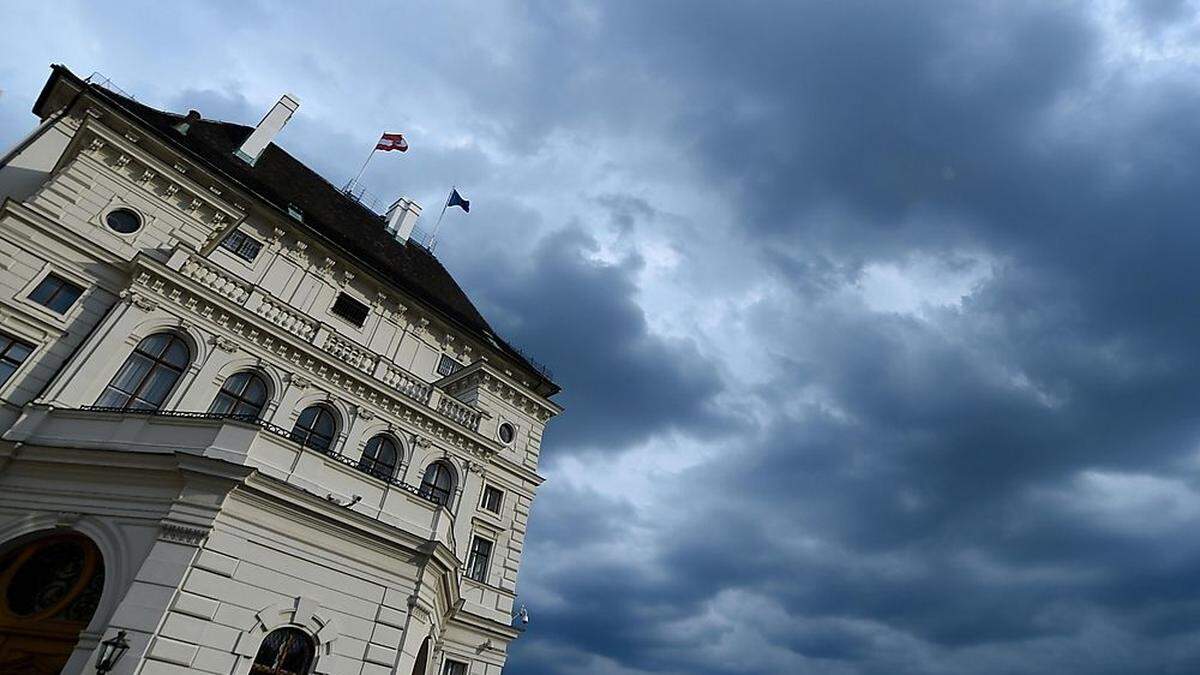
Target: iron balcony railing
<point>272,428</point>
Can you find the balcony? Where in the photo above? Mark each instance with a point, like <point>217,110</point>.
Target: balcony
<point>243,440</point>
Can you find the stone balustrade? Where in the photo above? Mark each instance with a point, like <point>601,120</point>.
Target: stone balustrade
<point>459,412</point>
<point>206,274</point>
<point>283,315</point>
<point>350,353</point>
<point>406,383</point>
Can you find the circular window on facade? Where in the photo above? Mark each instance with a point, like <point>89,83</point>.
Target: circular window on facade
<point>507,433</point>
<point>123,221</point>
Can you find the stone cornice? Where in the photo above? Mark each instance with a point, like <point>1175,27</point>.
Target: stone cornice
<point>320,514</point>
<point>482,373</point>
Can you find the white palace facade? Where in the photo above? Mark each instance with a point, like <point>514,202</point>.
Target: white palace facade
<point>247,425</point>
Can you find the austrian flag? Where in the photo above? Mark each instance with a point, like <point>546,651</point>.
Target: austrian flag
<point>392,142</point>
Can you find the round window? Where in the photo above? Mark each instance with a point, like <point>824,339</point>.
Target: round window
<point>123,221</point>
<point>507,433</point>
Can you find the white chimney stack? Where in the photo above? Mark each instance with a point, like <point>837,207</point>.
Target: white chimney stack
<point>401,218</point>
<point>266,130</point>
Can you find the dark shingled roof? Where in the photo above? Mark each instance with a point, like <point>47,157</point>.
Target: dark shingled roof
<point>283,181</point>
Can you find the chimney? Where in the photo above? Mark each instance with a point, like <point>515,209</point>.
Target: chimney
<point>193,116</point>
<point>266,130</point>
<point>401,218</point>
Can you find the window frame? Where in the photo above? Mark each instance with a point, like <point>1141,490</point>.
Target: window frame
<point>239,398</point>
<point>14,341</point>
<point>483,499</point>
<point>238,249</point>
<point>350,299</point>
<point>370,465</point>
<point>454,368</point>
<point>304,436</point>
<point>474,567</point>
<point>430,489</point>
<point>141,220</point>
<point>156,361</point>
<point>464,667</point>
<point>310,646</point>
<point>500,435</point>
<point>64,284</point>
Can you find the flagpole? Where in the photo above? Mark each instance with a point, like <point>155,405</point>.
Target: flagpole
<point>433,237</point>
<point>364,168</point>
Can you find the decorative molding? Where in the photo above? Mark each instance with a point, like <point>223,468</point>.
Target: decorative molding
<point>65,519</point>
<point>182,534</point>
<point>138,300</point>
<point>241,325</point>
<point>224,344</point>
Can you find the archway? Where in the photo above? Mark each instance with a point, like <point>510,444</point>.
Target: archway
<point>422,658</point>
<point>49,589</point>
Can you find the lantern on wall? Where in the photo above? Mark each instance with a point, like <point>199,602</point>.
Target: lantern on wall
<point>111,651</point>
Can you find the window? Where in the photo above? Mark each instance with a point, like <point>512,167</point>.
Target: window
<point>448,366</point>
<point>379,457</point>
<point>284,651</point>
<point>492,498</point>
<point>477,561</point>
<point>437,483</point>
<point>243,394</point>
<point>123,221</point>
<point>148,375</point>
<point>56,294</point>
<point>454,668</point>
<point>350,309</point>
<point>315,428</point>
<point>506,432</point>
<point>13,353</point>
<point>242,245</point>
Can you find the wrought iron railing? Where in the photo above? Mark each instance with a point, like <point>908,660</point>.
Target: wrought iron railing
<point>265,426</point>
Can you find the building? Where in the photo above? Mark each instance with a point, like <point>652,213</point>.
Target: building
<point>243,419</point>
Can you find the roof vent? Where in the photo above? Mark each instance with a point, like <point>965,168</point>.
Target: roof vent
<point>267,129</point>
<point>193,116</point>
<point>401,218</point>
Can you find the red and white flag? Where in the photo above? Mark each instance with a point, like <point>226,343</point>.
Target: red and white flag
<point>392,142</point>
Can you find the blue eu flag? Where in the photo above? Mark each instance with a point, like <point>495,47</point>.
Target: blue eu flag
<point>457,200</point>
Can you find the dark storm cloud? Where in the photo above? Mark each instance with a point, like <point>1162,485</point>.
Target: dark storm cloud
<point>947,500</point>
<point>579,315</point>
<point>1006,482</point>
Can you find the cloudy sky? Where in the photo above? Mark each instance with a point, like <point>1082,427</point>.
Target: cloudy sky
<point>878,322</point>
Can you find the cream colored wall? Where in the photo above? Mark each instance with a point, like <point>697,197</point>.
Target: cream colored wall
<point>59,227</point>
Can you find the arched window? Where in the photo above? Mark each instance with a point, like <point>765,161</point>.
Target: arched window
<point>422,658</point>
<point>379,457</point>
<point>285,651</point>
<point>148,375</point>
<point>315,427</point>
<point>243,394</point>
<point>49,589</point>
<point>438,483</point>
